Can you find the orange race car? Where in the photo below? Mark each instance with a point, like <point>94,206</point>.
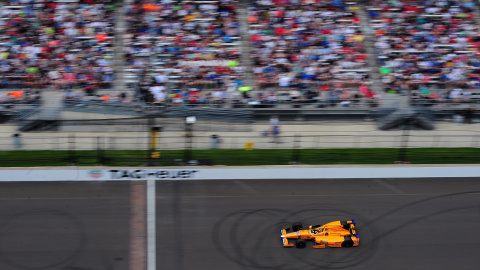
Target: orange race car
<point>333,234</point>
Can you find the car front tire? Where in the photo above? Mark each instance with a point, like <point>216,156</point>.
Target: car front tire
<point>297,226</point>
<point>301,243</point>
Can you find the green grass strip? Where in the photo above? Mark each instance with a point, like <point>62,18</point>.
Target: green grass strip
<point>240,157</point>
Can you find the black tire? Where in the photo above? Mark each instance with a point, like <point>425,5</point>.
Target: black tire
<point>296,226</point>
<point>301,243</point>
<point>348,242</point>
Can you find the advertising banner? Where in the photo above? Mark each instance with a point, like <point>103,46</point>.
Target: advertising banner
<point>117,174</point>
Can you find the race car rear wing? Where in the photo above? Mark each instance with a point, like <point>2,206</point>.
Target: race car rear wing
<point>352,229</point>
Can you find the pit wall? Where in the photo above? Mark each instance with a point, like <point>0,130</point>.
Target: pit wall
<point>235,173</point>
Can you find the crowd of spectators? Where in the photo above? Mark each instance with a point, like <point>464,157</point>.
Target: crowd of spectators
<point>55,44</point>
<point>304,43</point>
<point>188,52</point>
<point>427,45</point>
<point>187,44</point>
<point>455,96</point>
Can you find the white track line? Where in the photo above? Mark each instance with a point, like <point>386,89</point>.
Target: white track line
<point>309,195</point>
<point>151,237</point>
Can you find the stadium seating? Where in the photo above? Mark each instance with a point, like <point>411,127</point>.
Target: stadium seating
<point>56,44</point>
<point>294,43</point>
<point>426,45</point>
<point>188,53</point>
<point>187,44</point>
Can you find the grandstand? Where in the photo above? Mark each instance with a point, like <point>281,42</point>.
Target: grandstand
<point>315,54</point>
<point>57,44</point>
<point>433,46</point>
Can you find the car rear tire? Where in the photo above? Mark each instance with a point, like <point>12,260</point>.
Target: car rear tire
<point>348,242</point>
<point>301,243</point>
<point>297,226</point>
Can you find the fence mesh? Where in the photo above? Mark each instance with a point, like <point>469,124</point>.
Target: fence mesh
<point>242,150</point>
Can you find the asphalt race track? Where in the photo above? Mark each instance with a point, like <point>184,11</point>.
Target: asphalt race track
<point>403,224</point>
<point>68,226</point>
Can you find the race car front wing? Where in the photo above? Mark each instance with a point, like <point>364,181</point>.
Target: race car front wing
<point>285,240</point>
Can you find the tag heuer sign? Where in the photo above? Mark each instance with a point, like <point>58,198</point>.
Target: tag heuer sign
<point>95,173</point>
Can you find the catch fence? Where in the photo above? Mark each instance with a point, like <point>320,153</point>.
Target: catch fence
<point>189,149</point>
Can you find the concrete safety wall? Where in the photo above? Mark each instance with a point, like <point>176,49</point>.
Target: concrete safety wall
<point>236,173</point>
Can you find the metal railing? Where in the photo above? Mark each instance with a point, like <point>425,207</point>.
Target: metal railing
<point>98,106</point>
<point>22,111</point>
<point>115,142</point>
<point>282,102</point>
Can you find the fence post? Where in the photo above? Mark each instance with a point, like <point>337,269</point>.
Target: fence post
<point>152,142</point>
<point>189,122</point>
<point>296,149</point>
<point>404,142</point>
<point>472,145</point>
<point>100,156</point>
<point>112,143</point>
<point>72,158</point>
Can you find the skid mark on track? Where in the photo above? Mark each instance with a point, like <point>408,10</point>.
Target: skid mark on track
<point>246,187</point>
<point>250,237</point>
<point>408,205</point>
<point>389,186</point>
<point>33,231</point>
<point>257,245</point>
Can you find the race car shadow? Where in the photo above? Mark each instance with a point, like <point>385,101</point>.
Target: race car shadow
<point>37,231</point>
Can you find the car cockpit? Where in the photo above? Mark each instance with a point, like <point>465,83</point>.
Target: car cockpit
<point>317,230</point>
